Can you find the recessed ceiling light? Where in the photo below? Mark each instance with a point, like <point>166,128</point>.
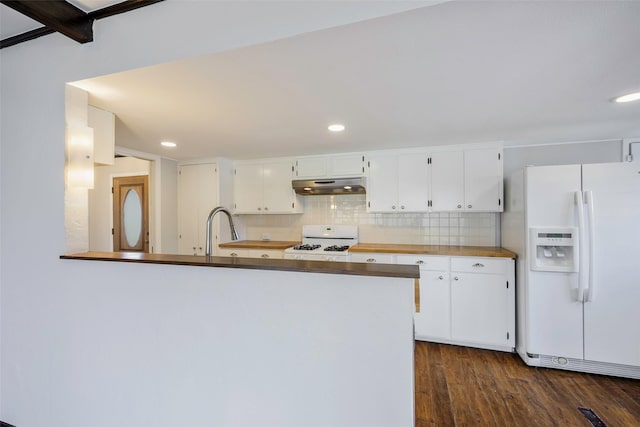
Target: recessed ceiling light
<point>168,144</point>
<point>336,127</point>
<point>628,98</point>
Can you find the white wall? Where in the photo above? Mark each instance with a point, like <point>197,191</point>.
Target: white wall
<point>100,199</point>
<point>516,157</point>
<point>61,321</point>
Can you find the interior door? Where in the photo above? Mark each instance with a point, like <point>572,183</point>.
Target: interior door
<point>131,214</point>
<point>611,313</point>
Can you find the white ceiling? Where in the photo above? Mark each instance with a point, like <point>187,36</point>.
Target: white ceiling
<point>457,72</point>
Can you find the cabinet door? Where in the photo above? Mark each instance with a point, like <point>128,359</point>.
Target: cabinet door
<point>187,200</point>
<point>433,321</point>
<point>447,181</point>
<point>479,308</point>
<point>413,182</point>
<point>311,167</point>
<point>347,165</point>
<point>483,180</point>
<point>278,193</point>
<point>207,199</point>
<point>382,184</point>
<point>197,195</point>
<point>247,188</point>
<point>104,134</point>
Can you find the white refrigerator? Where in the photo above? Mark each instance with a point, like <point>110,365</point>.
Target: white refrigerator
<point>576,230</point>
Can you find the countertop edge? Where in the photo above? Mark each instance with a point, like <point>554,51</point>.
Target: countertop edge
<point>473,251</point>
<point>345,268</point>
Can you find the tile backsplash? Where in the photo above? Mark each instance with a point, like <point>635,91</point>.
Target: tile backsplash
<point>464,229</point>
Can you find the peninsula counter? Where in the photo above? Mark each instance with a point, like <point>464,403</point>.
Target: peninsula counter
<point>270,342</point>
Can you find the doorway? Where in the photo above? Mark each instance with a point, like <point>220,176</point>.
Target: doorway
<point>131,214</point>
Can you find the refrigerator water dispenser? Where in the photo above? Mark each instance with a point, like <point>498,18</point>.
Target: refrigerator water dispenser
<point>554,249</point>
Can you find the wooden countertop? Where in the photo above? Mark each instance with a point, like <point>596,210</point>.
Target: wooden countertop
<point>349,268</point>
<point>258,244</point>
<point>481,251</point>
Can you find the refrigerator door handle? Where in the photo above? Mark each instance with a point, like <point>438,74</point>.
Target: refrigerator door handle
<point>581,255</point>
<point>588,196</point>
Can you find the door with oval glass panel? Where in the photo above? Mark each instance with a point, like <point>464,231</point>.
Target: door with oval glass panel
<point>131,214</point>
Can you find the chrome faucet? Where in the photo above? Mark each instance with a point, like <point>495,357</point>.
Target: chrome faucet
<point>234,233</point>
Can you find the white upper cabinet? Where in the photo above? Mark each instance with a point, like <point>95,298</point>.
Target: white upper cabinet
<point>467,180</point>
<point>447,181</point>
<point>103,124</point>
<point>483,180</point>
<point>330,166</point>
<point>397,182</point>
<point>264,187</point>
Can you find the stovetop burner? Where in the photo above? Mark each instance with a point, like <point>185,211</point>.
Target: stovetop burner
<point>336,248</point>
<point>306,247</point>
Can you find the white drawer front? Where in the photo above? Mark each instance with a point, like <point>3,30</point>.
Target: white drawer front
<point>425,262</point>
<point>373,257</point>
<point>479,265</point>
<point>233,252</point>
<point>266,253</point>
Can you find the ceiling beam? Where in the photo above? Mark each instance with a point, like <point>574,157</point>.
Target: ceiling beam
<point>58,15</point>
<point>84,20</point>
<point>122,7</point>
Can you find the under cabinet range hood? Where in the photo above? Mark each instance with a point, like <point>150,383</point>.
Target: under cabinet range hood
<point>316,187</point>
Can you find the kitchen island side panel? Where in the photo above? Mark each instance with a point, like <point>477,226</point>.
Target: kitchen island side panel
<point>238,347</point>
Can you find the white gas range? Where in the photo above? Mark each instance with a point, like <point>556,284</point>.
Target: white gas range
<point>324,243</point>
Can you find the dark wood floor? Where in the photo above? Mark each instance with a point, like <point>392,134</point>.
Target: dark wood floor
<point>461,386</point>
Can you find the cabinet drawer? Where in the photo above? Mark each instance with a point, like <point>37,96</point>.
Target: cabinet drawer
<point>479,265</point>
<point>425,262</point>
<point>266,253</point>
<point>233,252</point>
<point>373,257</point>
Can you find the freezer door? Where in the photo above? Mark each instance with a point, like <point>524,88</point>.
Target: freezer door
<point>612,306</point>
<point>552,312</point>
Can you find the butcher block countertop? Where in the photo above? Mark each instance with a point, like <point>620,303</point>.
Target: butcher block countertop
<point>347,268</point>
<point>258,244</point>
<point>480,251</point>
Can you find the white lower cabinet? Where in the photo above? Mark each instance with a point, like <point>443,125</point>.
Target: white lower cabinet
<point>463,300</point>
<point>434,318</point>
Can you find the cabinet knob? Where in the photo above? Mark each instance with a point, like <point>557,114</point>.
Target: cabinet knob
<point>259,209</point>
<point>264,256</point>
<point>478,265</point>
<point>469,206</point>
<point>371,260</point>
<point>420,261</point>
<point>441,278</point>
<point>266,208</point>
<point>393,207</point>
<point>456,278</point>
<point>459,206</point>
<point>402,207</point>
<point>233,254</point>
